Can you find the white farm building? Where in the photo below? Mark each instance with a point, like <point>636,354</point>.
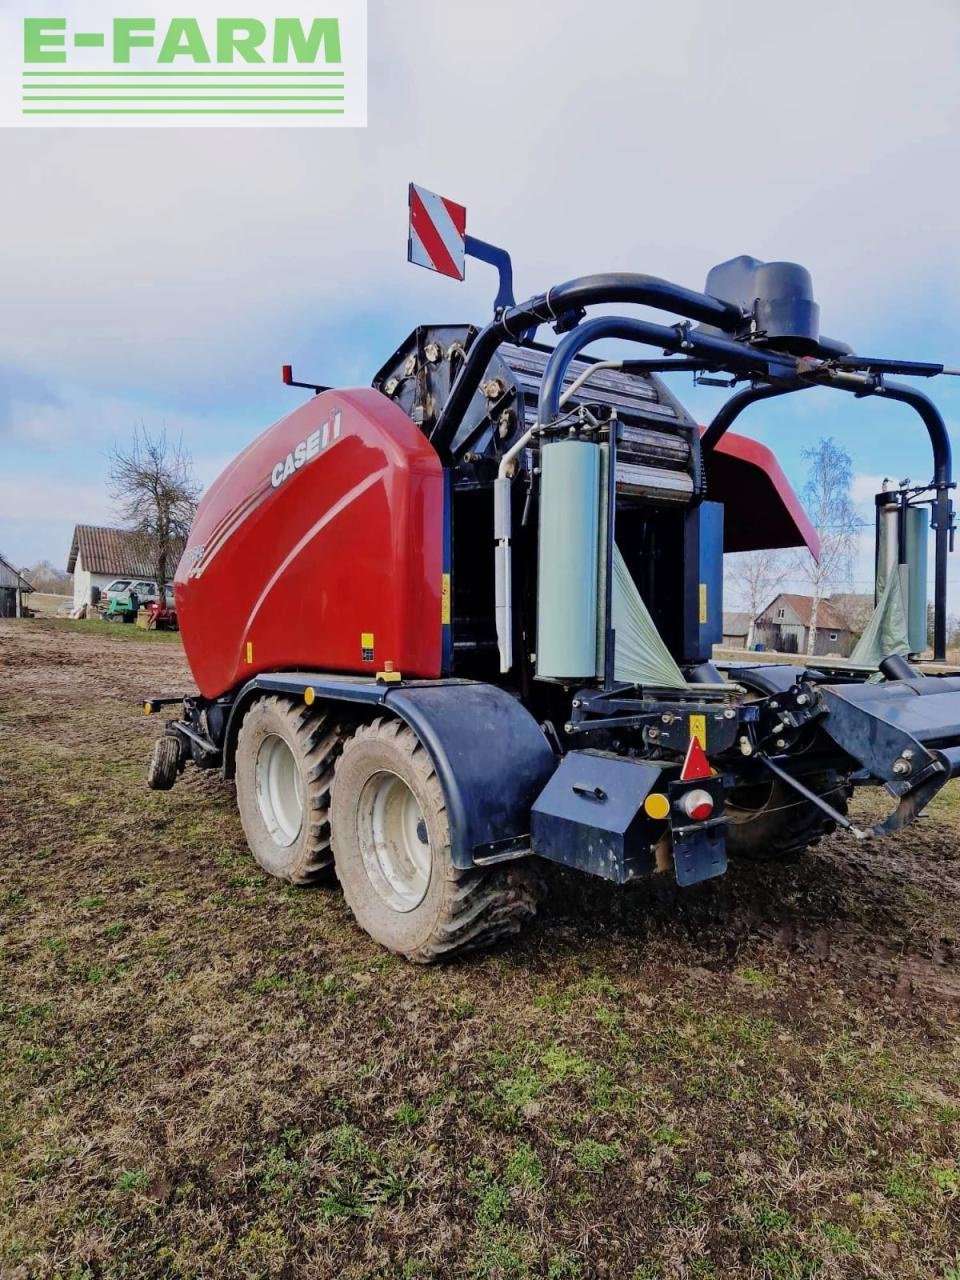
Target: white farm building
<point>99,555</point>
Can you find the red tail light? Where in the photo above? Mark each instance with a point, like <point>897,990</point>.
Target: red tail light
<point>697,805</point>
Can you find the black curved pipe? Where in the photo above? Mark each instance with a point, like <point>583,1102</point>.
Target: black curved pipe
<point>932,420</point>
<point>562,300</point>
<point>729,354</point>
<point>942,465</point>
<point>942,482</point>
<point>731,410</point>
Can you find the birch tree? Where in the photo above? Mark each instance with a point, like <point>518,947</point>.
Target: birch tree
<point>755,578</point>
<point>826,496</point>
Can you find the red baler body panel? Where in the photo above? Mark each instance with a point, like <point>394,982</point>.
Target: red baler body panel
<point>326,530</point>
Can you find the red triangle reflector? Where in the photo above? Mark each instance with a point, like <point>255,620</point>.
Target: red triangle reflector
<point>696,764</point>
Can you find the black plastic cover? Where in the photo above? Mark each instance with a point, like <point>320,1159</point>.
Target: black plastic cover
<point>778,294</point>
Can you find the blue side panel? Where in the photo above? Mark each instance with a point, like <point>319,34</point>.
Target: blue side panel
<point>491,758</point>
<point>703,581</point>
<point>446,603</point>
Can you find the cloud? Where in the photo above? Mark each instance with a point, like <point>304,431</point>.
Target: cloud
<point>167,274</point>
<point>664,141</point>
<point>865,487</point>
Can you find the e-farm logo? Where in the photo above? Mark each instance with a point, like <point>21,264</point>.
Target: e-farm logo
<point>277,63</point>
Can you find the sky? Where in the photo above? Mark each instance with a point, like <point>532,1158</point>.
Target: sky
<point>164,276</point>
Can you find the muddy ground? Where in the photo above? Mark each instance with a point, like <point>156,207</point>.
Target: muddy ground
<point>206,1073</point>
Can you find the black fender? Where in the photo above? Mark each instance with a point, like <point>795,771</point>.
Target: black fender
<point>490,754</point>
<point>491,757</point>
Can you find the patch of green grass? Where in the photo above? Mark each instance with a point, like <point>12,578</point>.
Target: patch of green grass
<point>524,1168</point>
<point>667,1137</point>
<point>564,1266</point>
<point>841,1238</point>
<point>132,1180</point>
<point>947,1179</point>
<point>103,630</point>
<point>593,1157</point>
<point>407,1114</point>
<point>505,1253</point>
<point>789,1262</point>
<point>90,904</point>
<point>757,978</point>
<point>347,1144</point>
<point>269,982</point>
<point>462,1007</point>
<point>905,1187</point>
<point>492,1196</point>
<point>280,1173</point>
<point>561,1065</point>
<point>95,1073</point>
<point>770,1220</point>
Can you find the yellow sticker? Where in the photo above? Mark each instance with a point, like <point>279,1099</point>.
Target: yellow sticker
<point>704,616</point>
<point>366,640</point>
<point>698,730</point>
<point>249,651</point>
<point>445,600</point>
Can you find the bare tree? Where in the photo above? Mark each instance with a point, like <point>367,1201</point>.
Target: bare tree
<point>44,576</point>
<point>755,577</point>
<point>156,495</point>
<point>826,496</point>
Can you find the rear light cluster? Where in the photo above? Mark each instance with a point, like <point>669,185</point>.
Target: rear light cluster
<point>697,805</point>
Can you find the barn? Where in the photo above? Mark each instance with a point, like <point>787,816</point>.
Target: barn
<point>786,622</point>
<point>13,588</point>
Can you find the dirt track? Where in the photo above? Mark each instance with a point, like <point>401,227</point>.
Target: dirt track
<point>206,1073</point>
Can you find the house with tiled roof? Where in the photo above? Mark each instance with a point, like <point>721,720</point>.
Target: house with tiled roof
<point>99,555</point>
<point>785,626</point>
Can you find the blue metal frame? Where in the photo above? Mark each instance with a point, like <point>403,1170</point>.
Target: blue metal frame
<point>494,256</point>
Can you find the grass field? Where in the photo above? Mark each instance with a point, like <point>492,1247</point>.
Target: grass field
<point>205,1073</point>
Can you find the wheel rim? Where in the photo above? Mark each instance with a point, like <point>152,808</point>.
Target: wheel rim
<point>394,841</point>
<point>279,790</point>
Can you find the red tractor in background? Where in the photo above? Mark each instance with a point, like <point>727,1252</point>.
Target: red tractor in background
<point>464,619</point>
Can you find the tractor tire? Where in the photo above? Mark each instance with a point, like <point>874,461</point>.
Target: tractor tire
<point>164,763</point>
<point>391,848</point>
<point>771,821</point>
<point>283,770</point>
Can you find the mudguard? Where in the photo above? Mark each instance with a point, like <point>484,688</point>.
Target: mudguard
<point>491,757</point>
<point>489,753</point>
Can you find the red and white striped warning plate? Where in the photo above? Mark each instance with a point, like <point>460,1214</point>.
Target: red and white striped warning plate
<point>438,231</point>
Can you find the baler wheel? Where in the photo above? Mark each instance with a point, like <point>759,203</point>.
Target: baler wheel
<point>164,763</point>
<point>284,767</point>
<point>391,846</point>
<point>771,821</point>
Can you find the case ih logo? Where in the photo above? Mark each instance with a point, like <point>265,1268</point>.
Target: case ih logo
<point>306,450</point>
<point>84,64</point>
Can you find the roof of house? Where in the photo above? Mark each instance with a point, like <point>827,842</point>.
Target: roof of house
<point>827,617</point>
<point>116,551</point>
<point>736,624</point>
<point>11,577</point>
